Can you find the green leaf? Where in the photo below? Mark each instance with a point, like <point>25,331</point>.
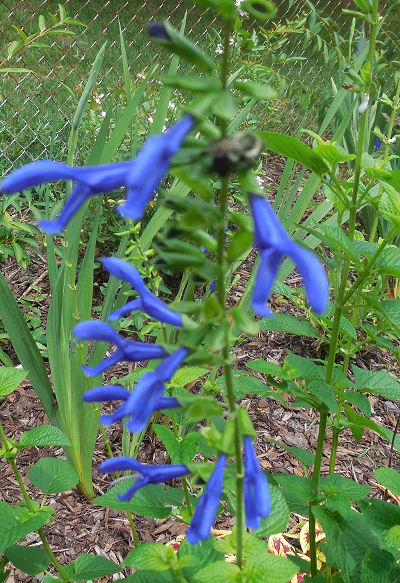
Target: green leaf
<point>332,154</point>
<point>244,384</point>
<point>379,567</point>
<point>348,540</point>
<point>16,523</point>
<point>289,324</point>
<point>10,378</point>
<point>389,206</point>
<point>303,368</point>
<point>187,375</point>
<point>304,456</point>
<point>199,555</point>
<point>53,475</point>
<point>148,577</point>
<point>244,321</point>
<point>324,393</point>
<point>295,150</point>
<point>190,83</point>
<point>87,567</point>
<point>180,451</point>
<point>376,382</point>
<point>153,500</point>
<point>388,262</point>
<point>390,310</point>
<point>255,90</point>
<point>384,519</point>
<point>240,242</point>
<point>342,486</point>
<point>152,556</point>
<point>220,571</point>
<point>224,107</point>
<point>182,46</point>
<point>31,560</point>
<point>44,435</point>
<point>360,401</point>
<point>268,568</point>
<point>389,478</point>
<point>42,23</point>
<point>278,518</point>
<point>15,70</point>
<point>297,490</point>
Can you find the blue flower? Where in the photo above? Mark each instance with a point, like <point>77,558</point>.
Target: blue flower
<point>206,508</point>
<point>377,144</point>
<point>273,244</point>
<point>147,302</point>
<point>158,31</point>
<point>141,176</point>
<point>118,393</point>
<point>146,397</point>
<point>257,500</point>
<point>147,474</point>
<point>127,350</point>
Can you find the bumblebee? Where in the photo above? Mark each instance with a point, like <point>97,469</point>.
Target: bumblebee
<point>237,151</point>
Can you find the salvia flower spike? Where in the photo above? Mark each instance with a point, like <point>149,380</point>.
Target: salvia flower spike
<point>273,243</point>
<point>257,499</point>
<point>140,176</point>
<point>147,302</point>
<point>119,393</point>
<point>127,350</point>
<point>206,508</point>
<point>147,474</point>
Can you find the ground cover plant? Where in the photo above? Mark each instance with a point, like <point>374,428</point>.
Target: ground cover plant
<point>202,227</point>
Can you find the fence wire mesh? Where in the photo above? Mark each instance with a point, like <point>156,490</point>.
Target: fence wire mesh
<point>36,108</point>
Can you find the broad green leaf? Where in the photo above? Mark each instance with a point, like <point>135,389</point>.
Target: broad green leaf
<point>199,555</point>
<point>152,556</point>
<point>295,150</point>
<point>303,368</point>
<point>290,324</point>
<point>44,435</point>
<point>268,568</point>
<point>360,401</point>
<point>220,571</point>
<point>324,393</point>
<point>87,567</point>
<point>379,567</point>
<point>384,519</point>
<point>53,475</point>
<point>10,378</point>
<point>148,577</point>
<point>187,375</point>
<point>278,518</point>
<point>153,500</point>
<point>377,382</point>
<point>244,384</point>
<point>31,560</point>
<point>297,490</point>
<point>16,523</point>
<point>391,310</point>
<point>304,456</point>
<point>389,478</point>
<point>388,262</point>
<point>267,367</point>
<point>348,540</point>
<point>335,484</point>
<point>389,206</point>
<point>332,154</point>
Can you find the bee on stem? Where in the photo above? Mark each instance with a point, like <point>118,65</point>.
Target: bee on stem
<point>235,152</point>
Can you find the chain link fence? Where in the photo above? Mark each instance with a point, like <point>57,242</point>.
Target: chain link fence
<point>36,107</point>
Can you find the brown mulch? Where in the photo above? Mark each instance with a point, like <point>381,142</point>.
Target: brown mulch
<point>81,527</point>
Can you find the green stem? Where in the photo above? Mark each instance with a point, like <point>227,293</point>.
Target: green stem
<point>221,294</point>
<point>133,528</point>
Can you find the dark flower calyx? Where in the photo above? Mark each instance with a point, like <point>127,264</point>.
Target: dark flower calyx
<point>157,30</point>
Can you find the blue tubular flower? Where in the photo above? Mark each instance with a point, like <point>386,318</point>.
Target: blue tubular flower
<point>257,500</point>
<point>146,474</point>
<point>206,508</point>
<point>273,244</point>
<point>118,393</point>
<point>147,302</point>
<point>141,176</point>
<point>147,395</point>
<point>127,350</point>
